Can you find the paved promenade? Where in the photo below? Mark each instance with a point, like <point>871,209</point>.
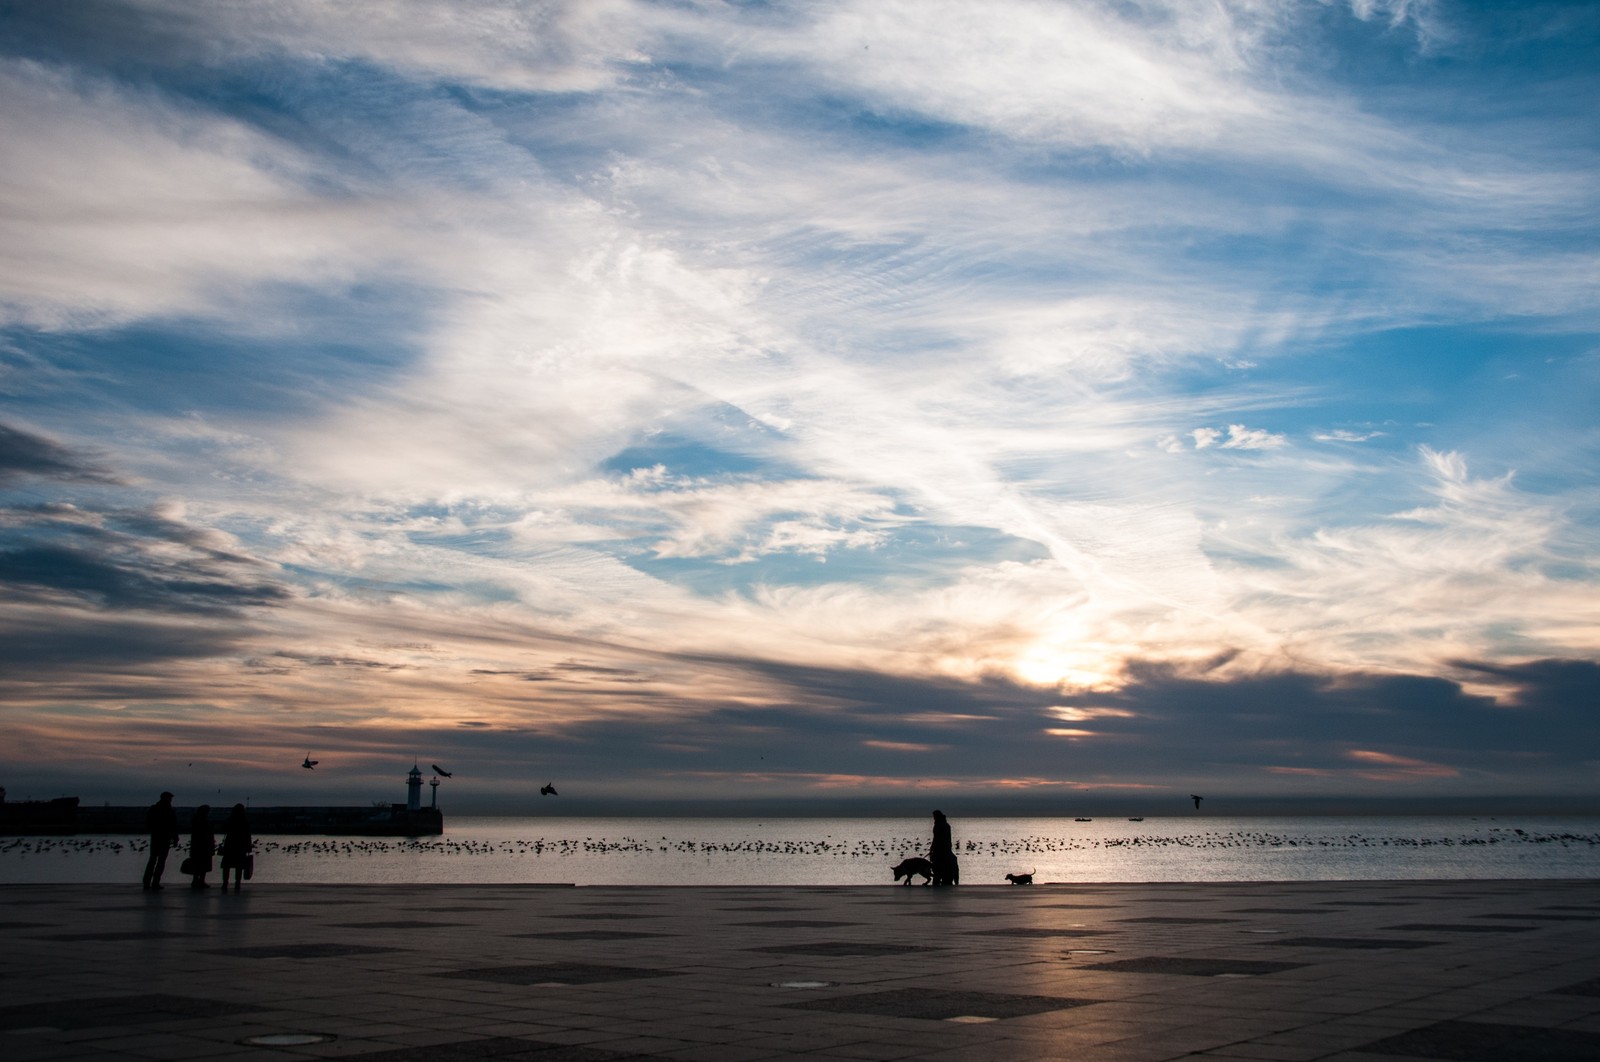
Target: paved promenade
<point>1501,971</point>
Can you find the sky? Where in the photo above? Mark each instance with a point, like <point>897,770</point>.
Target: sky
<point>1019,405</point>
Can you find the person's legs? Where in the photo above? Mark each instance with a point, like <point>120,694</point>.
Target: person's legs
<point>156,865</point>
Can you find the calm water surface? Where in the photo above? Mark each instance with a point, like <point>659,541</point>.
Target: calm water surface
<point>674,851</point>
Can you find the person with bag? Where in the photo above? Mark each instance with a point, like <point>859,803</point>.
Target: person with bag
<point>236,846</point>
<point>202,846</point>
<point>942,853</point>
<point>162,823</point>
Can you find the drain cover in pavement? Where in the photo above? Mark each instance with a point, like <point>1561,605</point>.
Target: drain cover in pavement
<point>288,1039</point>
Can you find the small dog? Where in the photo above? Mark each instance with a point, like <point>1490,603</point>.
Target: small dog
<point>1022,879</point>
<point>914,865</point>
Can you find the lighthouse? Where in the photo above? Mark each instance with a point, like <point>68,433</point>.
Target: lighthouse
<point>414,789</point>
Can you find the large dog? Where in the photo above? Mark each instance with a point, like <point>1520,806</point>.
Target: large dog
<point>914,865</point>
<point>1022,879</point>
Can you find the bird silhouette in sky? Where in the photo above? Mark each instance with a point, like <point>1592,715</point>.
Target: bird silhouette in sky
<point>548,790</point>
<point>441,772</point>
<point>310,763</point>
<point>1196,799</point>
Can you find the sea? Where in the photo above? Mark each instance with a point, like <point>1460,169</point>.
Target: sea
<point>813,851</point>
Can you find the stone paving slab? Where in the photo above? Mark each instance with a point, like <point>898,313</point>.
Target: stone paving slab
<point>1468,971</point>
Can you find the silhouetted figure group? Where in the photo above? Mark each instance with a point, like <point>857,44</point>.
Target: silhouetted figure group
<point>162,822</point>
<point>942,853</point>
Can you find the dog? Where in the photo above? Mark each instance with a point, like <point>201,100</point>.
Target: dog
<point>914,865</point>
<point>1022,879</point>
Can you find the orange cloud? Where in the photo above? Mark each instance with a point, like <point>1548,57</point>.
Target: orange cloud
<point>1399,768</point>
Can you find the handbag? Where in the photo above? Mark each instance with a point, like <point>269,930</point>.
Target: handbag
<point>249,867</point>
<point>187,866</point>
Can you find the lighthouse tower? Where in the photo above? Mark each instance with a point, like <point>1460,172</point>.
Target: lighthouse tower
<point>414,789</point>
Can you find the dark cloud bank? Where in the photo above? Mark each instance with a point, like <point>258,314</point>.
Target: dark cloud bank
<point>103,598</point>
<point>93,585</point>
<point>1286,742</point>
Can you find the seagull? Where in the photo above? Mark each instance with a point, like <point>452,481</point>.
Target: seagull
<point>440,771</point>
<point>310,763</point>
<point>548,790</point>
<point>1196,799</point>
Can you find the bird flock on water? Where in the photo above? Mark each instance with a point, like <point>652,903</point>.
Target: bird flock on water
<point>863,849</point>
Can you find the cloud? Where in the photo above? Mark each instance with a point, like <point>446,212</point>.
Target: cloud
<point>120,559</point>
<point>513,369</point>
<point>561,46</point>
<point>24,454</point>
<point>1345,435</point>
<point>1237,437</point>
<point>1080,75</point>
<point>168,235</point>
<point>1386,767</point>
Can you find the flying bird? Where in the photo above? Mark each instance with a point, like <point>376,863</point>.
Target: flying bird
<point>310,763</point>
<point>548,790</point>
<point>440,771</point>
<point>1196,799</point>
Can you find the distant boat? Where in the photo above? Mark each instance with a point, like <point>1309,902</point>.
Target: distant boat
<point>1082,820</point>
<point>1136,818</point>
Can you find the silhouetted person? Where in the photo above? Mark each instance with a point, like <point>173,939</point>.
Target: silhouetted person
<point>162,823</point>
<point>942,853</point>
<point>202,846</point>
<point>236,845</point>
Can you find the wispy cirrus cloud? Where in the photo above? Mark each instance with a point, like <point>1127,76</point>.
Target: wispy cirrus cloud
<point>981,362</point>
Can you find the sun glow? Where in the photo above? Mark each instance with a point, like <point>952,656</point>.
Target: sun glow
<point>1044,666</point>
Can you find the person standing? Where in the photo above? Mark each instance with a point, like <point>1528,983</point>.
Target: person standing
<point>942,853</point>
<point>162,823</point>
<point>202,846</point>
<point>236,845</point>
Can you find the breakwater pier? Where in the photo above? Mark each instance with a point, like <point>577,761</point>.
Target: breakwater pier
<point>65,816</point>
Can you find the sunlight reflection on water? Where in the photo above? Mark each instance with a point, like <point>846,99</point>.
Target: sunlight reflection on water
<point>676,851</point>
